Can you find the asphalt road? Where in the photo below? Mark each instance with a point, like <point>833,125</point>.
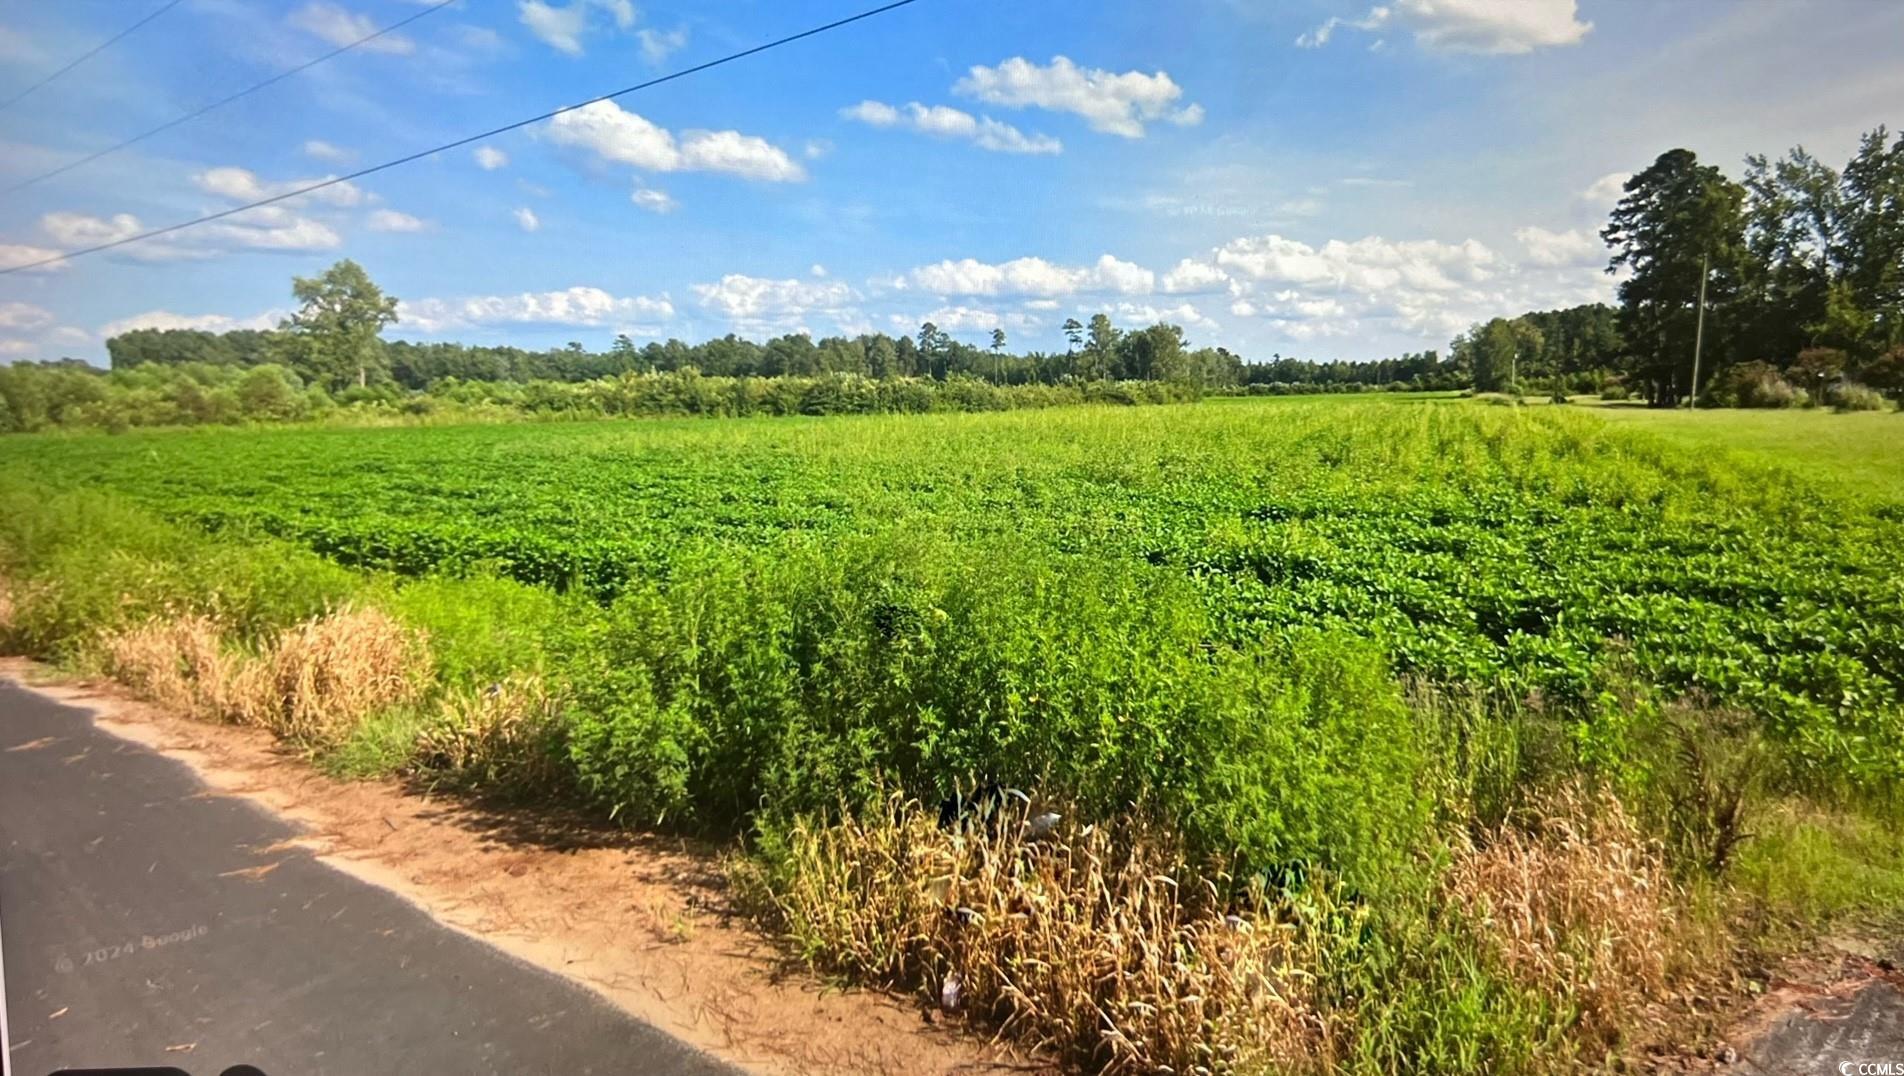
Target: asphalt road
<point>131,937</point>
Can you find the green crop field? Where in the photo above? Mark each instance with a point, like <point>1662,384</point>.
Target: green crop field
<point>1309,638</point>
<point>1529,551</point>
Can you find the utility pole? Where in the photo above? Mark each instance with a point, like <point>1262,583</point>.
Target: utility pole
<point>1699,329</point>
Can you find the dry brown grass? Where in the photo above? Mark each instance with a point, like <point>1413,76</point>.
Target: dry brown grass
<point>313,683</point>
<point>183,664</point>
<point>506,737</point>
<point>1084,945</point>
<point>1577,903</point>
<point>330,672</point>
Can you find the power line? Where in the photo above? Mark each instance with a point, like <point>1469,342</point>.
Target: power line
<point>88,54</point>
<point>223,101</point>
<point>492,132</point>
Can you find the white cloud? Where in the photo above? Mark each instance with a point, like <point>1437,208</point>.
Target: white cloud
<point>271,229</point>
<point>757,304</point>
<point>389,220</point>
<point>1372,264</point>
<point>624,137</point>
<point>1143,315</point>
<point>489,158</point>
<point>12,254</point>
<point>1191,277</point>
<point>165,319</point>
<point>1318,37</point>
<point>968,319</point>
<point>527,220</point>
<point>1484,26</point>
<point>558,27</point>
<point>321,150</point>
<point>15,348</point>
<point>562,27</point>
<point>942,121</point>
<point>1374,287</point>
<point>658,45</point>
<point>654,201</point>
<point>24,317</point>
<point>340,27</point>
<point>1118,104</point>
<point>584,306</point>
<point>1604,192</point>
<point>872,113</point>
<point>243,185</point>
<point>1579,246</point>
<point>1030,276</point>
<point>1494,26</point>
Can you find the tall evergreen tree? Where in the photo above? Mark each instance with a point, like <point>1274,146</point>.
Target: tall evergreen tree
<point>1677,220</point>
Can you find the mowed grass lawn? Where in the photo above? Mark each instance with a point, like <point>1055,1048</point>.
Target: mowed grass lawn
<point>1861,453</point>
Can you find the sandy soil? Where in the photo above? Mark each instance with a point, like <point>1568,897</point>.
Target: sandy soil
<point>645,922</point>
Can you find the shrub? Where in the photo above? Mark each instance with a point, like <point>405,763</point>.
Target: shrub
<point>506,739</point>
<point>1751,384</point>
<point>1849,396</point>
<point>1614,390</point>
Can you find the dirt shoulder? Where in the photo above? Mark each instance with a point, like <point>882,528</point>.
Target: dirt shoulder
<point>644,922</point>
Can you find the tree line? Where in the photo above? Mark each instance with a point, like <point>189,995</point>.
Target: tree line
<point>330,354</point>
<point>1801,267</point>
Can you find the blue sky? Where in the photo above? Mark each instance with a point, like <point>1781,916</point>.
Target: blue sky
<point>1311,177</point>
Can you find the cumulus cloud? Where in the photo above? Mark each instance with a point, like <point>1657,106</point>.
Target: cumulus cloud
<point>12,254</point>
<point>615,134</point>
<point>1578,246</point>
<point>243,185</point>
<point>758,304</point>
<point>269,228</point>
<point>558,27</point>
<point>582,306</point>
<point>1427,289</point>
<point>1602,193</point>
<point>338,26</point>
<point>563,27</point>
<point>1030,277</point>
<point>957,318</point>
<point>1118,104</point>
<point>318,149</point>
<point>24,317</point>
<point>658,45</point>
<point>654,201</point>
<point>1139,315</point>
<point>489,158</point>
<point>1191,277</point>
<point>389,220</point>
<point>942,121</point>
<point>527,220</point>
<point>215,323</point>
<point>1483,26</point>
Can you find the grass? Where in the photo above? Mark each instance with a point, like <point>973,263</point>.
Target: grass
<point>1855,454</point>
<point>1436,720</point>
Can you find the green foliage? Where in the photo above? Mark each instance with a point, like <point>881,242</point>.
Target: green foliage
<point>1680,232</point>
<point>1751,384</point>
<point>332,339</point>
<point>1848,396</point>
<point>769,594</point>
